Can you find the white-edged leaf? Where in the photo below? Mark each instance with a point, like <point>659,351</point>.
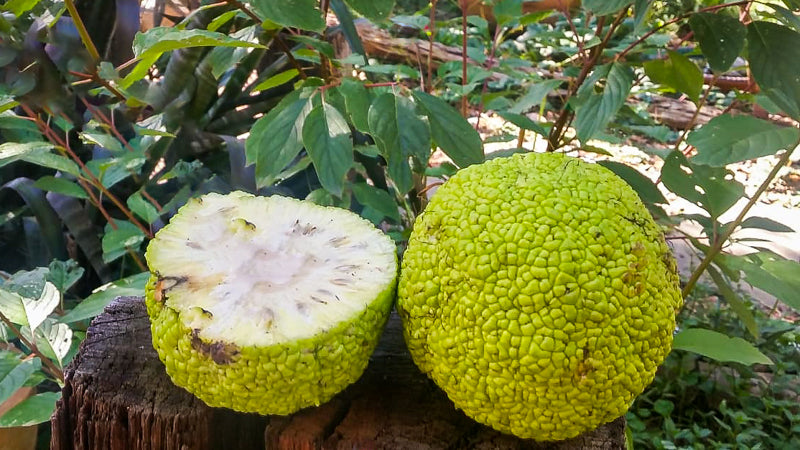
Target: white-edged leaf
<point>54,340</point>
<point>719,347</point>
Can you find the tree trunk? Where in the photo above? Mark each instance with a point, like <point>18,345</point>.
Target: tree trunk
<point>117,396</point>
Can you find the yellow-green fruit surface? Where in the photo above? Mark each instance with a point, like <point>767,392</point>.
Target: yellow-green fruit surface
<point>539,294</point>
<point>250,310</point>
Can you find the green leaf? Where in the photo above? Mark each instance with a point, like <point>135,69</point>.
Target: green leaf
<point>64,274</point>
<point>142,207</point>
<point>721,38</point>
<point>275,139</point>
<point>643,186</point>
<point>605,7</point>
<point>736,303</point>
<point>705,186</point>
<point>375,10</point>
<point>62,186</point>
<point>302,14</point>
<point>595,110</point>
<point>506,11</point>
<point>103,140</point>
<point>456,137</point>
<point>774,54</point>
<point>116,241</point>
<point>16,378</point>
<point>537,93</point>
<point>678,73</point>
<point>357,100</point>
<point>18,7</point>
<point>94,304</point>
<point>728,139</point>
<point>54,340</point>
<point>377,199</point>
<point>150,45</point>
<point>30,312</point>
<point>765,223</point>
<point>719,347</point>
<point>31,411</point>
<point>769,272</point>
<point>523,122</point>
<point>276,80</point>
<point>400,135</point>
<point>326,136</point>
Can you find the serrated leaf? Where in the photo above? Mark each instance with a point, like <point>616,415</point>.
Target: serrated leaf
<point>31,411</point>
<point>62,186</point>
<point>276,139</point>
<point>721,38</point>
<point>116,241</point>
<point>595,110</point>
<point>377,199</point>
<point>54,340</point>
<point>605,7</point>
<point>326,137</point>
<point>357,101</point>
<point>142,208</point>
<point>774,56</point>
<point>643,186</point>
<point>719,347</point>
<point>728,139</point>
<point>451,132</point>
<point>16,377</point>
<point>536,94</point>
<point>375,10</point>
<point>705,186</point>
<point>678,73</point>
<point>94,304</point>
<point>769,272</point>
<point>400,135</point>
<point>735,302</point>
<point>303,14</point>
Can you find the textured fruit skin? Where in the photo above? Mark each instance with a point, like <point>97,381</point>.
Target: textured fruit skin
<point>539,294</point>
<point>279,379</point>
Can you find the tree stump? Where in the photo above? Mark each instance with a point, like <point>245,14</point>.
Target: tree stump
<point>118,396</point>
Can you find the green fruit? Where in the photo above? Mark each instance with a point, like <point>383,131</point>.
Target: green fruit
<point>267,304</point>
<point>539,294</point>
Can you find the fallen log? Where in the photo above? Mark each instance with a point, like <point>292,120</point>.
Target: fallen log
<point>117,396</point>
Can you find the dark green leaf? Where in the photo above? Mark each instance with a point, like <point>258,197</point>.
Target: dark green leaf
<point>50,227</point>
<point>357,100</point>
<point>663,407</point>
<point>593,114</point>
<point>506,11</point>
<point>347,24</point>
<point>721,38</point>
<point>375,10</point>
<point>102,296</point>
<point>711,188</point>
<point>523,122</point>
<point>302,14</point>
<point>736,303</point>
<point>62,186</point>
<point>399,134</point>
<point>16,378</point>
<point>275,139</point>
<point>728,139</point>
<point>326,136</point>
<point>678,73</point>
<point>765,223</point>
<point>31,411</point>
<point>605,7</point>
<point>116,241</point>
<point>64,274</point>
<point>774,55</point>
<point>769,272</point>
<point>377,199</point>
<point>643,186</point>
<point>456,137</point>
<point>143,208</point>
<point>536,94</point>
<point>719,347</point>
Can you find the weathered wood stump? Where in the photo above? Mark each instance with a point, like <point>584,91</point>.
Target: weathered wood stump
<point>118,396</point>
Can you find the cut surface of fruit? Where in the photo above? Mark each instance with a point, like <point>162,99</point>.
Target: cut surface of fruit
<point>263,272</point>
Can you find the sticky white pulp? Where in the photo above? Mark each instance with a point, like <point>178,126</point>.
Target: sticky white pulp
<point>262,270</point>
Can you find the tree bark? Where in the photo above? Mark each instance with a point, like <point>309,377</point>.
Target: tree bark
<point>117,396</point>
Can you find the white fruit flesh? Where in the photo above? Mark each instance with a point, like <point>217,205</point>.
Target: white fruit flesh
<point>262,271</point>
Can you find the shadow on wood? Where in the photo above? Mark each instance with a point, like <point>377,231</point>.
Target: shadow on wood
<point>118,396</point>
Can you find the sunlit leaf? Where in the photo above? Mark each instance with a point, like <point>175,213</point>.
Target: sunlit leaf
<point>774,54</point>
<point>719,347</point>
<point>326,137</point>
<point>456,137</point>
<point>678,73</point>
<point>728,139</point>
<point>721,38</point>
<point>93,305</point>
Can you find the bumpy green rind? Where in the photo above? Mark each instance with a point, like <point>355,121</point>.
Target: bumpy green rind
<point>274,380</point>
<point>539,294</point>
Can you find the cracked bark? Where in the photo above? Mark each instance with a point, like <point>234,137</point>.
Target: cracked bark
<point>118,397</point>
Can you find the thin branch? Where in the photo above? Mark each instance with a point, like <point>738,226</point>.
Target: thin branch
<point>82,31</point>
<point>431,36</point>
<point>720,242</point>
<point>52,369</point>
